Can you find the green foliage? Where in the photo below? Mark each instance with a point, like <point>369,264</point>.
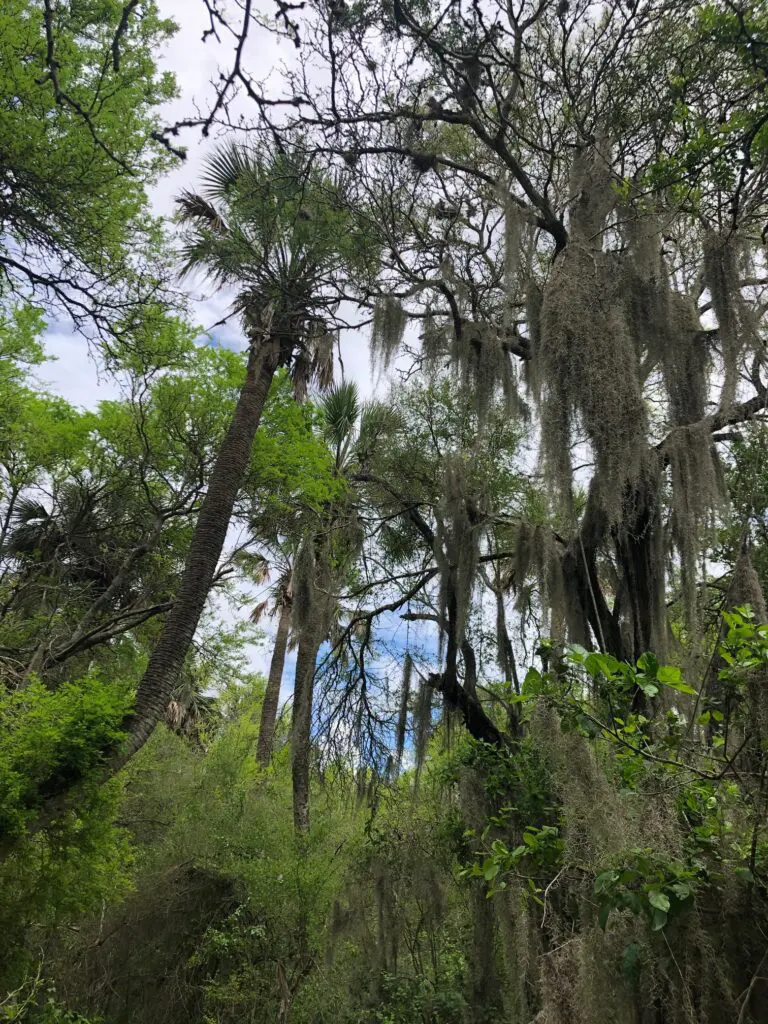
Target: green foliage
<point>745,644</point>
<point>408,1000</point>
<point>649,883</point>
<point>49,735</point>
<point>76,162</point>
<point>277,227</point>
<point>723,58</point>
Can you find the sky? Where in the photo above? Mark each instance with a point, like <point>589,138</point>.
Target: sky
<point>195,64</point>
<point>74,372</point>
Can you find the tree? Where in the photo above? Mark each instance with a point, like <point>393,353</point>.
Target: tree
<point>552,232</point>
<point>80,98</point>
<point>98,509</point>
<point>283,237</point>
<point>282,601</point>
<point>328,548</point>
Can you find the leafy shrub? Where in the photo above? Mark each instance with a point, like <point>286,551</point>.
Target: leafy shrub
<point>48,737</point>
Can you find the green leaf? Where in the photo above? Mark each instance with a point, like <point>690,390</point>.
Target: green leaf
<point>490,870</point>
<point>681,890</point>
<point>648,664</point>
<point>532,682</point>
<point>658,900</point>
<point>577,654</point>
<point>669,674</point>
<point>649,689</point>
<point>658,919</point>
<point>605,880</point>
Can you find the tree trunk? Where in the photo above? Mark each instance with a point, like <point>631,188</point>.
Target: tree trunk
<point>203,555</point>
<point>272,694</point>
<point>303,690</point>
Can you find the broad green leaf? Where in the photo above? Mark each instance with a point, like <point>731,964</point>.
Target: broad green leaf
<point>658,900</point>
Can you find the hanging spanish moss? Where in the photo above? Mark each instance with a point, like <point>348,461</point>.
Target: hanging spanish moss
<point>389,322</point>
<point>484,978</point>
<point>512,247</point>
<point>386,917</point>
<point>642,231</point>
<point>698,489</point>
<point>721,276</point>
<point>594,824</point>
<point>684,362</point>
<point>301,373</point>
<point>459,531</point>
<point>588,369</point>
<point>435,341</point>
<point>322,357</point>
<point>534,298</point>
<point>593,196</point>
<point>484,366</point>
<point>537,555</point>
<point>642,551</point>
<point>664,322</point>
<point>746,590</point>
<point>646,284</point>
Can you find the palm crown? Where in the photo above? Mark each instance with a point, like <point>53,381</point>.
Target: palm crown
<point>279,230</point>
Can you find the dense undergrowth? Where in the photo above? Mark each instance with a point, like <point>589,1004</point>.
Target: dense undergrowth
<point>601,866</point>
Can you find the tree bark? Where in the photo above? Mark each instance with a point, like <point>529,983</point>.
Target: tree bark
<point>301,726</point>
<point>203,555</point>
<point>272,694</point>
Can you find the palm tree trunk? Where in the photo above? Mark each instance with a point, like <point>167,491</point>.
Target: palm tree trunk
<point>204,553</point>
<point>272,694</point>
<point>301,725</point>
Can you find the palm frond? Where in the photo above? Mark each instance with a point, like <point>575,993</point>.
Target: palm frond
<point>30,523</point>
<point>377,421</point>
<point>231,167</point>
<point>29,510</point>
<point>195,210</point>
<point>341,406</point>
<point>257,611</point>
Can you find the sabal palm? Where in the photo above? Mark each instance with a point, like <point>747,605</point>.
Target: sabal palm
<point>76,542</point>
<point>280,604</point>
<point>277,231</point>
<point>350,429</point>
<point>269,224</point>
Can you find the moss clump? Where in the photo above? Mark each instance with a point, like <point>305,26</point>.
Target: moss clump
<point>587,366</point>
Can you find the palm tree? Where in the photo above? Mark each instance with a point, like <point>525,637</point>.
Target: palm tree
<point>282,606</point>
<point>277,229</point>
<point>326,554</point>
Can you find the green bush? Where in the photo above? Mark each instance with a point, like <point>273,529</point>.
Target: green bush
<point>49,737</point>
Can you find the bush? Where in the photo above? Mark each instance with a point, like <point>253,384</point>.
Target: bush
<point>50,737</point>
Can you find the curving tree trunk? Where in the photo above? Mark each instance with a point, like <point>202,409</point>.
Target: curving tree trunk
<point>272,694</point>
<point>204,552</point>
<point>301,725</point>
